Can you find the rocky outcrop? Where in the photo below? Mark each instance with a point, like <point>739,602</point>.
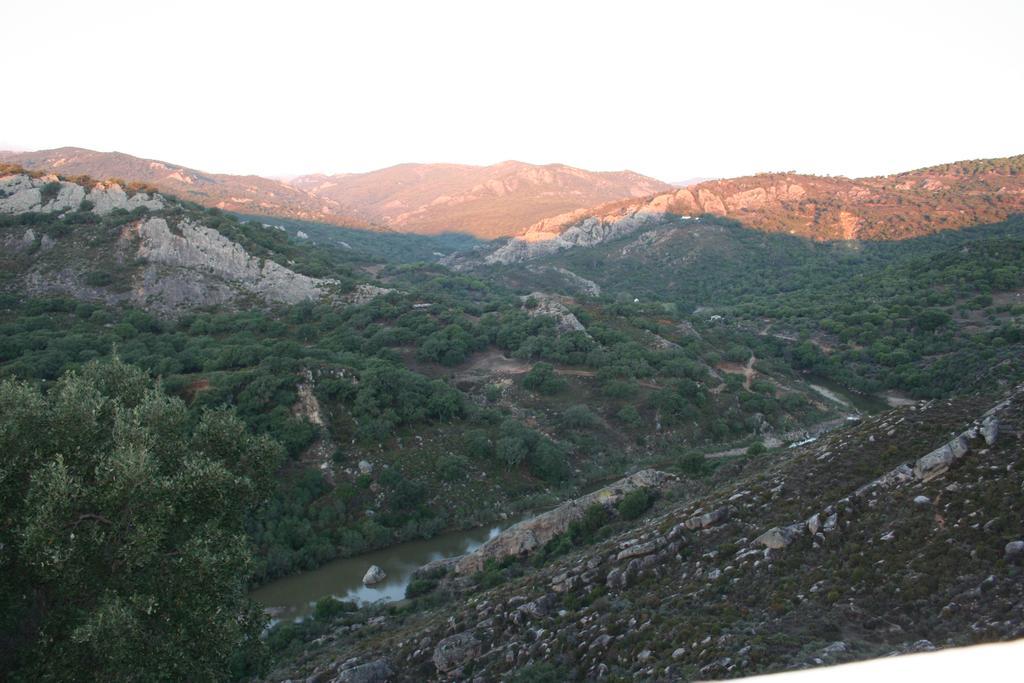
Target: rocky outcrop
<point>938,461</point>
<point>207,253</point>
<point>549,236</point>
<point>528,535</point>
<point>365,293</point>
<point>20,193</point>
<point>551,306</point>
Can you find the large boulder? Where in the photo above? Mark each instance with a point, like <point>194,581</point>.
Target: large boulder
<point>455,651</point>
<point>374,575</point>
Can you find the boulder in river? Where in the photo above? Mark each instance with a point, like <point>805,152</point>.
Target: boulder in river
<point>374,575</point>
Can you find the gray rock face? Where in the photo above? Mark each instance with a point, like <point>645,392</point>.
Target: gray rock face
<point>106,198</point>
<point>990,430</point>
<point>455,651</point>
<point>526,536</point>
<point>544,238</point>
<point>377,671</point>
<point>211,254</point>
<point>938,461</point>
<point>1014,549</point>
<point>374,575</point>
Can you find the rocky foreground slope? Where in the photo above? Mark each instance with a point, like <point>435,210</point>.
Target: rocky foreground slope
<point>101,243</point>
<point>899,206</point>
<point>899,534</point>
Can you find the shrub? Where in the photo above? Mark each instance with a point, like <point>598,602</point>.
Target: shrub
<point>542,379</point>
<point>328,608</point>
<point>580,416</point>
<point>635,503</point>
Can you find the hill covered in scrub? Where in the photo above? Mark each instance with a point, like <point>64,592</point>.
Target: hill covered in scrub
<point>896,207</point>
<point>468,401</point>
<point>484,201</point>
<point>425,199</point>
<point>410,398</point>
<point>248,194</point>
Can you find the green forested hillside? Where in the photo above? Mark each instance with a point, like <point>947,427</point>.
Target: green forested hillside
<point>410,399</point>
<point>926,316</point>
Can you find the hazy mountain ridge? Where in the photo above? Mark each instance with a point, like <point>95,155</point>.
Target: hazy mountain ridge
<point>900,206</point>
<point>248,194</point>
<point>488,201</point>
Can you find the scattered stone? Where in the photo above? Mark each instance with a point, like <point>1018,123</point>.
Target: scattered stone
<point>1014,549</point>
<point>836,648</point>
<point>678,652</point>
<point>708,519</point>
<point>638,550</point>
<point>374,575</point>
<point>779,537</point>
<point>455,651</point>
<point>814,523</point>
<point>377,671</point>
<point>365,467</point>
<point>922,501</point>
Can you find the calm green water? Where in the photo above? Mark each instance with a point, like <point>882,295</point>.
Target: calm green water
<point>293,597</point>
<point>864,403</point>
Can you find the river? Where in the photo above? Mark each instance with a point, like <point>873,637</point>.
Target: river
<point>293,597</point>
<point>862,403</point>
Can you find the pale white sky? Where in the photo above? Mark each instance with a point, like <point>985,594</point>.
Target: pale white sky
<point>671,89</point>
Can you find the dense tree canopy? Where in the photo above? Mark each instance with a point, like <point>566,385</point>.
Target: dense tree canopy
<point>122,531</point>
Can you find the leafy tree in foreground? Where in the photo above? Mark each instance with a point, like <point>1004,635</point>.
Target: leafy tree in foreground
<point>124,555</point>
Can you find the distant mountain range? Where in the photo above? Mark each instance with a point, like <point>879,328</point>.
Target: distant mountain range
<point>488,202</point>
<point>901,206</point>
<point>546,207</point>
<point>485,201</point>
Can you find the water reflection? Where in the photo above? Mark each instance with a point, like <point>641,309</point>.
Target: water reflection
<point>293,597</point>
